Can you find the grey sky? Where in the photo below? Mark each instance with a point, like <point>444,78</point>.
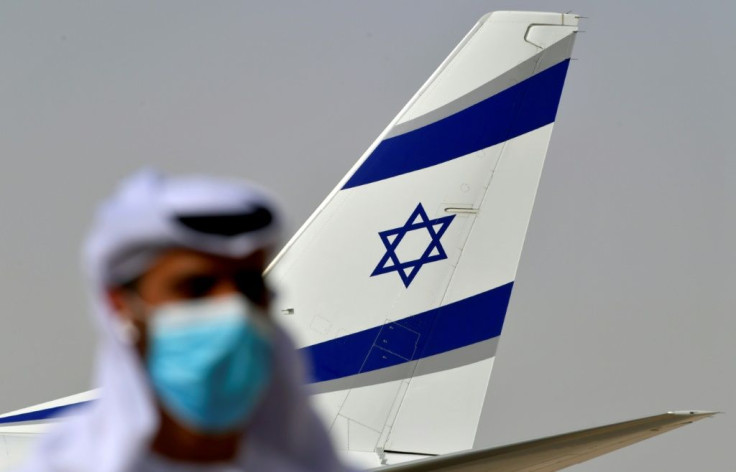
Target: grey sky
<point>624,300</point>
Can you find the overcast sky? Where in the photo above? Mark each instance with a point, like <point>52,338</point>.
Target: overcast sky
<point>624,301</point>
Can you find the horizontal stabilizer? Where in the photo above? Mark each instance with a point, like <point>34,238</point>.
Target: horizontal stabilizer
<point>555,452</point>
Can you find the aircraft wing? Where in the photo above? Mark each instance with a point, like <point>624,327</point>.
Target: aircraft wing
<point>554,452</point>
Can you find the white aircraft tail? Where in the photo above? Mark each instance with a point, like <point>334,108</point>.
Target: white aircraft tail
<point>397,286</point>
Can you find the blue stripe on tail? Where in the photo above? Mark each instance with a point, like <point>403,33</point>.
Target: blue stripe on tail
<point>465,322</point>
<point>524,107</point>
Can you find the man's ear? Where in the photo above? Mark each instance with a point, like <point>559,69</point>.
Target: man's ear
<point>118,301</point>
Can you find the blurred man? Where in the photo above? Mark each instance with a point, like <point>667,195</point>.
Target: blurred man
<point>193,373</point>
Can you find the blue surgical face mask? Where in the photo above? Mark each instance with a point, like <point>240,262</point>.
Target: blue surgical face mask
<point>209,360</point>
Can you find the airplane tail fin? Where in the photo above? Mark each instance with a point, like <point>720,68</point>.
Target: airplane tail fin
<point>397,286</point>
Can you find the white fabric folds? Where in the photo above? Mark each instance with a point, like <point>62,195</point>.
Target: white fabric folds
<point>113,433</point>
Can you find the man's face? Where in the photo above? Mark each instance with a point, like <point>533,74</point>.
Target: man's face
<point>180,275</point>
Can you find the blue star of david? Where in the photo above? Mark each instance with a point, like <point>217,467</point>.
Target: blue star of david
<point>391,238</point>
